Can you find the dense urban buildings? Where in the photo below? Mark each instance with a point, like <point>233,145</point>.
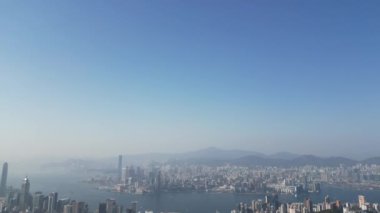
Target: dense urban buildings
<point>165,178</point>
<point>271,204</point>
<point>183,177</point>
<point>22,200</point>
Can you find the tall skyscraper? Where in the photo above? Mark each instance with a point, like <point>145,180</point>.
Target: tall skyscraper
<point>25,196</point>
<point>4,176</point>
<point>52,202</point>
<point>38,200</point>
<point>157,182</point>
<point>55,201</point>
<point>25,187</point>
<point>120,167</point>
<point>124,175</point>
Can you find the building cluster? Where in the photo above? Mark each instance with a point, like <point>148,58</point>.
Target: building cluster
<point>169,177</point>
<point>22,200</point>
<point>271,205</point>
<point>110,206</point>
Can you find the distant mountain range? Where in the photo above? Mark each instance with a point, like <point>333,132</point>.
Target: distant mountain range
<point>216,156</point>
<point>302,160</point>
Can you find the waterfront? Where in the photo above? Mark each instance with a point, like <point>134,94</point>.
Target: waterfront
<point>72,187</point>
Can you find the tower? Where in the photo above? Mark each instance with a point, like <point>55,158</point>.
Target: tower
<point>25,187</point>
<point>4,176</point>
<point>120,167</point>
<point>25,196</point>
<point>157,182</point>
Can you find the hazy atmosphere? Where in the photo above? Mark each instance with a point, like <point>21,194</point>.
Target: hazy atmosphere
<point>99,78</point>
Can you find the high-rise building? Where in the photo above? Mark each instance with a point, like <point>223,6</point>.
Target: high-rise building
<point>61,203</point>
<point>3,183</point>
<point>120,209</point>
<point>38,201</point>
<point>326,203</point>
<point>102,208</point>
<point>55,201</point>
<point>25,196</point>
<point>134,206</point>
<point>81,207</point>
<point>69,208</point>
<point>111,206</point>
<point>361,200</point>
<point>283,208</point>
<point>52,202</point>
<point>157,182</point>
<point>124,175</point>
<point>120,167</point>
<point>25,187</point>
<point>308,204</point>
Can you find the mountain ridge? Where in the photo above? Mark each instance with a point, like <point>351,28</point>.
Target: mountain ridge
<point>216,156</point>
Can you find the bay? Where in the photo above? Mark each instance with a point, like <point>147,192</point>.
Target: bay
<point>71,186</point>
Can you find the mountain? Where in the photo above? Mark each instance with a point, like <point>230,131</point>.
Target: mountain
<point>374,160</point>
<point>257,161</point>
<point>215,156</point>
<point>215,153</point>
<point>284,155</point>
<point>302,160</point>
<point>318,161</point>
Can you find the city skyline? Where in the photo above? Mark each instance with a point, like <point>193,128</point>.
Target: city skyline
<point>94,79</point>
<point>281,181</point>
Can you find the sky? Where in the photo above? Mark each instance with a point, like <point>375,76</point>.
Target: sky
<point>96,78</point>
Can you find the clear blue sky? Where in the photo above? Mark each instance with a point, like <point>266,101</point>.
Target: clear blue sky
<point>96,78</point>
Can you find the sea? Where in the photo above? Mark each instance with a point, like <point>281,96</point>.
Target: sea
<point>72,186</point>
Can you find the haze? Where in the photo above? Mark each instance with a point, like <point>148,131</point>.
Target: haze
<point>98,78</point>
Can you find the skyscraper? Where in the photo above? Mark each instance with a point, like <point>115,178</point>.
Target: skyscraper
<point>25,187</point>
<point>81,207</point>
<point>38,199</point>
<point>134,206</point>
<point>102,208</point>
<point>4,176</point>
<point>361,200</point>
<point>111,206</point>
<point>308,204</point>
<point>120,167</point>
<point>52,202</point>
<point>69,208</point>
<point>25,196</point>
